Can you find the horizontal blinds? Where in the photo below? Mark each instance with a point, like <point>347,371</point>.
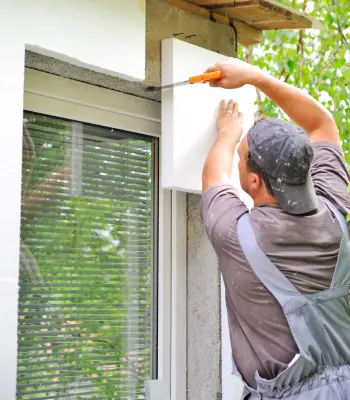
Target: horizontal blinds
<point>86,262</point>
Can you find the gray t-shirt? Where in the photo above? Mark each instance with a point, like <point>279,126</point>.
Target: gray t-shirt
<point>304,248</point>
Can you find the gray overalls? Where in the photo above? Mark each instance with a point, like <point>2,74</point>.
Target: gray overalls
<point>320,324</point>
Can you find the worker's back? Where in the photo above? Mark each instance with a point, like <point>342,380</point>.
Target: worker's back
<point>304,248</point>
<point>287,343</point>
<point>319,323</point>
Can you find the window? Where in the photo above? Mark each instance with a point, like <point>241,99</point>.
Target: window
<point>88,268</point>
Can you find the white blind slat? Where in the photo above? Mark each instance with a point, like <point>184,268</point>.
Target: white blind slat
<point>86,262</point>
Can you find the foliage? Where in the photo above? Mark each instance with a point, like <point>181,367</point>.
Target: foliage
<point>85,278</point>
<point>316,61</point>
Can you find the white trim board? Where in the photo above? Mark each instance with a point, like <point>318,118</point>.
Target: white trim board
<point>62,97</point>
<point>179,297</point>
<point>189,114</point>
<point>11,105</point>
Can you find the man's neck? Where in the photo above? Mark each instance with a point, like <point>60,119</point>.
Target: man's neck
<point>265,199</point>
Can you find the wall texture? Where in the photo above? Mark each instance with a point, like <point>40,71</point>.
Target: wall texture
<point>203,303</point>
<point>203,311</point>
<point>103,36</point>
<point>57,67</point>
<point>164,21</point>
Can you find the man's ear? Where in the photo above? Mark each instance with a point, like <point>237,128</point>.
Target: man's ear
<point>255,181</point>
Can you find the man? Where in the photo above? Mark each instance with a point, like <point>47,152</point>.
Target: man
<point>286,263</point>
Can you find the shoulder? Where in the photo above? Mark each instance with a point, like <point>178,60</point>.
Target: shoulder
<point>221,206</point>
<point>333,151</point>
<point>330,174</point>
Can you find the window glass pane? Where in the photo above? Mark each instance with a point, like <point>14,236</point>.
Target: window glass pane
<point>86,262</point>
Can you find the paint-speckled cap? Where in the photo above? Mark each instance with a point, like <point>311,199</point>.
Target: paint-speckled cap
<point>284,152</point>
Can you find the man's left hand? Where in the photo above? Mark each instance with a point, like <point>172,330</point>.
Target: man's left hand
<point>229,122</point>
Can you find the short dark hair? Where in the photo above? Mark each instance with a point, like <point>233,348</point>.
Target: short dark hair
<point>254,167</point>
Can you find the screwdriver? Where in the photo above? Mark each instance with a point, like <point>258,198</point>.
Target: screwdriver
<point>203,78</point>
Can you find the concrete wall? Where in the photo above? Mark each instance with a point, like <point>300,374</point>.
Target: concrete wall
<point>203,312</point>
<point>164,21</point>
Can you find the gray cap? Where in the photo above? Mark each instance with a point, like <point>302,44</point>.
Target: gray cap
<point>284,152</point>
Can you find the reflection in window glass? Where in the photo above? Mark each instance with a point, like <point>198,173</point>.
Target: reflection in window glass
<point>86,262</point>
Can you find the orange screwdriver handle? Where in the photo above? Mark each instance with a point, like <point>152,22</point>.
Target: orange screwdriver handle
<point>207,77</point>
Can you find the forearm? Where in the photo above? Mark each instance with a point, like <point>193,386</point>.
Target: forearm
<point>219,163</point>
<point>305,111</point>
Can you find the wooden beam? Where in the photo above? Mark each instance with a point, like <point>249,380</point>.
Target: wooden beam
<point>215,2</point>
<point>261,14</point>
<point>246,34</point>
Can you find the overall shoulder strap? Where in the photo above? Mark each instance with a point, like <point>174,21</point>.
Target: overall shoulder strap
<point>338,215</point>
<point>341,275</point>
<point>270,276</point>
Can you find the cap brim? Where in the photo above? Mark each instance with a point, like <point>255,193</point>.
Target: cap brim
<point>295,199</point>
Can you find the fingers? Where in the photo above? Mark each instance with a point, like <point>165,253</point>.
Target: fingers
<point>230,120</point>
<point>230,109</point>
<point>217,66</point>
<point>212,68</point>
<point>214,84</point>
<point>222,107</point>
<point>236,109</point>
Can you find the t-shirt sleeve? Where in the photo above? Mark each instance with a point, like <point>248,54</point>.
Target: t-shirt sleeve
<point>220,208</point>
<point>330,175</point>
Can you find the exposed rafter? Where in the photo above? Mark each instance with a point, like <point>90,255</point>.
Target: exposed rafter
<point>246,35</point>
<point>248,17</point>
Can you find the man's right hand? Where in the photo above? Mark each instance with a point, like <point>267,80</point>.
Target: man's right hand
<point>305,111</point>
<point>235,73</point>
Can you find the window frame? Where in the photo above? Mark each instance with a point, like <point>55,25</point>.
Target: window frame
<point>60,97</point>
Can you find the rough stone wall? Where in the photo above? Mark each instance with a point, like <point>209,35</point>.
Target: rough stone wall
<point>164,21</point>
<point>203,311</point>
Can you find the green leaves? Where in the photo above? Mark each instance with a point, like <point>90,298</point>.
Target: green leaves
<point>86,263</point>
<point>290,64</point>
<point>317,61</point>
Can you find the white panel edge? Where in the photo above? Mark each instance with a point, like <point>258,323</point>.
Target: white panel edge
<point>179,296</point>
<point>167,114</point>
<point>53,86</point>
<point>89,114</point>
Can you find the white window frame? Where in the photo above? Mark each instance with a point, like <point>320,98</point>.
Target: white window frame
<point>60,97</point>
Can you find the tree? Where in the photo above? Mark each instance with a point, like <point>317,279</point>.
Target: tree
<point>86,261</point>
<point>316,61</point>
